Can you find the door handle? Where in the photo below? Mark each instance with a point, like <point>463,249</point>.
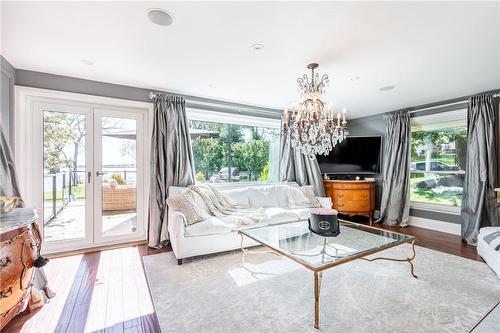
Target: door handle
<point>89,174</point>
<point>100,173</point>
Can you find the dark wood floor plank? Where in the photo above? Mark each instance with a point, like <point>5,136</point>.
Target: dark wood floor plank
<point>80,312</point>
<point>114,306</point>
<point>131,265</point>
<point>96,317</point>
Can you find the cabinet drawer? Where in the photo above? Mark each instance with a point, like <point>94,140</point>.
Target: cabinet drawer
<point>361,195</point>
<point>353,186</point>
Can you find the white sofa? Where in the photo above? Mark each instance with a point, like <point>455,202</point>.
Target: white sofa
<point>487,251</point>
<point>213,235</point>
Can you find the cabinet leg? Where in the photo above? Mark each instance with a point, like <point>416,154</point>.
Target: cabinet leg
<point>370,216</point>
<point>179,261</point>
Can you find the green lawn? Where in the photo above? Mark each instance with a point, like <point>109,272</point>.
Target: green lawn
<point>446,159</point>
<point>78,191</point>
<point>427,195</point>
<point>446,198</point>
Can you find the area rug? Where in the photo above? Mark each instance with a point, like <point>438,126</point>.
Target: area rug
<point>274,294</point>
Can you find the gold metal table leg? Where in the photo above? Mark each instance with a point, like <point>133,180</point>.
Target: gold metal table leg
<point>408,259</point>
<point>317,285</point>
<point>243,250</point>
<point>247,251</point>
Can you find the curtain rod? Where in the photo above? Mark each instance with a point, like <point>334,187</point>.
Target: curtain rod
<point>448,104</point>
<point>153,95</point>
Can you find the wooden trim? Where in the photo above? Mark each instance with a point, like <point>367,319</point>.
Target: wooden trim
<point>94,249</point>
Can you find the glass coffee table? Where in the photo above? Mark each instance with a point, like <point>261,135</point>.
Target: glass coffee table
<point>318,253</point>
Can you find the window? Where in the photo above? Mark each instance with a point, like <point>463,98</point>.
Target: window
<point>438,152</point>
<point>230,151</point>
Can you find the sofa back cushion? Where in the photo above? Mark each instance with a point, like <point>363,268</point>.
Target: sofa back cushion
<point>252,196</point>
<point>261,197</point>
<point>238,195</point>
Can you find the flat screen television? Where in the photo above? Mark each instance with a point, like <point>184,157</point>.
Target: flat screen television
<point>354,155</point>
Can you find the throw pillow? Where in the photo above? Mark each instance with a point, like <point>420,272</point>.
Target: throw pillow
<point>302,197</point>
<point>308,191</point>
<point>186,204</point>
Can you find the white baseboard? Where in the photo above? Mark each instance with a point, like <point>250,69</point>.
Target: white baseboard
<point>450,228</point>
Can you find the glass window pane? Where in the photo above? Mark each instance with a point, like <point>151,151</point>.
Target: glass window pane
<point>438,152</point>
<point>234,153</point>
<point>119,179</point>
<point>445,189</point>
<point>64,176</point>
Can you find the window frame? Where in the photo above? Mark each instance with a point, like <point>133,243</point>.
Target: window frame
<point>236,119</point>
<point>436,118</point>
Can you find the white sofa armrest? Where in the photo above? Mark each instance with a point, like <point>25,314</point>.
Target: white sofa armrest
<point>325,202</point>
<point>176,223</point>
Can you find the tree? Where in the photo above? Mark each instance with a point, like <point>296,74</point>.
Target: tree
<point>209,154</point>
<point>57,133</point>
<point>255,156</point>
<point>432,138</point>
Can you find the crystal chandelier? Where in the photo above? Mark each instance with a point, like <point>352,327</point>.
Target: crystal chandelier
<point>311,126</point>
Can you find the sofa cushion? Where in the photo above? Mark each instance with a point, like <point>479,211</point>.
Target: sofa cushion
<point>261,197</point>
<point>187,205</point>
<point>302,213</point>
<point>275,215</point>
<point>302,197</point>
<point>280,191</point>
<point>209,226</point>
<point>239,196</point>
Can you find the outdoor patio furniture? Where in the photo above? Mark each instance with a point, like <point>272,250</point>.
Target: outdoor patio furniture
<point>121,197</point>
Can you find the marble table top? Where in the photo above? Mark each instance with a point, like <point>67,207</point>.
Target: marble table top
<point>17,218</point>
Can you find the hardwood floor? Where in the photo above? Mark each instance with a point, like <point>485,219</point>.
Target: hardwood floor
<point>95,292</point>
<point>107,291</point>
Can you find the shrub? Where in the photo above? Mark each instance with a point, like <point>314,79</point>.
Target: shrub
<point>200,176</point>
<point>264,174</point>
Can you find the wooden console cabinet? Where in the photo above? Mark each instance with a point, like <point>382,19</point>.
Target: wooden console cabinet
<point>20,243</point>
<point>352,197</point>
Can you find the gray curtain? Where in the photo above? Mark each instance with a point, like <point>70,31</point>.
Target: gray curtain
<point>8,178</point>
<point>478,202</point>
<point>172,161</point>
<point>9,187</point>
<point>297,167</point>
<point>395,204</point>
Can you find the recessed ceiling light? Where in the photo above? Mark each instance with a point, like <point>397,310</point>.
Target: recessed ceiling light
<point>354,78</point>
<point>86,62</point>
<point>386,88</point>
<point>257,47</point>
<point>160,16</point>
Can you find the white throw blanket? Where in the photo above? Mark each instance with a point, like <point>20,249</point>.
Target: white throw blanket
<point>225,209</point>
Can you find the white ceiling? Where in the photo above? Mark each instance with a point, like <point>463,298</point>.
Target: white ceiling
<point>429,51</point>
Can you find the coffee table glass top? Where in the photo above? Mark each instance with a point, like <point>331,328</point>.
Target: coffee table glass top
<point>316,252</point>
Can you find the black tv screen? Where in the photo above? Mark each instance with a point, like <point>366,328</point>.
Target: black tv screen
<point>354,155</point>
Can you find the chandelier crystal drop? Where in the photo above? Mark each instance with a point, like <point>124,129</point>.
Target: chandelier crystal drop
<point>311,126</point>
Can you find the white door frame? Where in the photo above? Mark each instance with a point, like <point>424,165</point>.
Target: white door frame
<point>37,171</point>
<point>141,207</point>
<point>29,148</point>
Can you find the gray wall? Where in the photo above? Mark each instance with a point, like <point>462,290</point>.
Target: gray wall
<point>7,81</point>
<point>371,125</point>
<point>89,87</point>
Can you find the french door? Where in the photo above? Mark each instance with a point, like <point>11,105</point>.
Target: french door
<point>92,161</point>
